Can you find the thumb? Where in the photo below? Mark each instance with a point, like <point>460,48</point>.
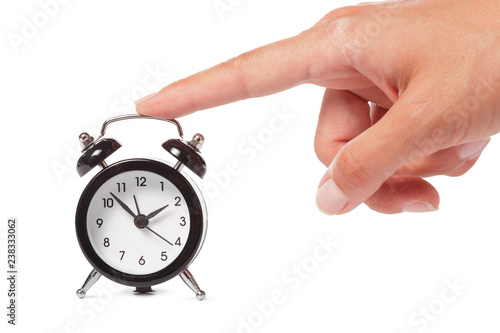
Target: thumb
<point>360,168</point>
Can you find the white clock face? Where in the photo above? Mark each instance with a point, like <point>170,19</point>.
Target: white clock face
<point>138,222</point>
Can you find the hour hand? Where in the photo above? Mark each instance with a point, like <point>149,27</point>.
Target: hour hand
<point>156,212</point>
<point>124,206</point>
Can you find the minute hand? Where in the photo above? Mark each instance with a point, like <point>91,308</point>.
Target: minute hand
<point>156,212</point>
<point>124,206</point>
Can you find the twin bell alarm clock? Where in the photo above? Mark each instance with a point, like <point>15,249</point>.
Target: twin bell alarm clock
<point>141,222</point>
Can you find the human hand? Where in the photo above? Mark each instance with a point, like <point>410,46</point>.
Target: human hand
<point>412,91</point>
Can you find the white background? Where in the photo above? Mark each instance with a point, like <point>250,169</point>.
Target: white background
<point>78,68</point>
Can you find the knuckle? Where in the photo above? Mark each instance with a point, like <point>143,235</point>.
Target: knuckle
<point>337,13</point>
<point>238,68</point>
<point>342,12</point>
<point>243,61</point>
<point>343,26</point>
<point>352,170</point>
<point>342,35</point>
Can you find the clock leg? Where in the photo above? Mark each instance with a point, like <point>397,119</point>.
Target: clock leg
<point>188,279</point>
<point>91,280</point>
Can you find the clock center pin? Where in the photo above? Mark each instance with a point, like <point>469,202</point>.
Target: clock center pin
<point>141,221</point>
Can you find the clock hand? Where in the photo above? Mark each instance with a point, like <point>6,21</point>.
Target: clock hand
<point>124,206</point>
<point>156,212</point>
<point>159,235</point>
<point>137,206</point>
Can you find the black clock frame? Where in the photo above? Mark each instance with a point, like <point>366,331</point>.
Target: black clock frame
<point>194,240</point>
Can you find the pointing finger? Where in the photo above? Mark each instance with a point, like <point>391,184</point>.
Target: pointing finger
<point>266,70</point>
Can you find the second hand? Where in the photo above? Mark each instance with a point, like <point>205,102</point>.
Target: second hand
<point>154,232</point>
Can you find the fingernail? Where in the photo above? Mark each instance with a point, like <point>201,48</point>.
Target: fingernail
<point>469,151</point>
<point>419,207</point>
<point>142,99</point>
<point>330,199</point>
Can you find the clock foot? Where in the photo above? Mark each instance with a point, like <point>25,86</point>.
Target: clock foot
<point>91,280</point>
<point>143,290</point>
<point>188,279</point>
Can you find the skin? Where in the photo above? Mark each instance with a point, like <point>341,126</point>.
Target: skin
<point>412,91</point>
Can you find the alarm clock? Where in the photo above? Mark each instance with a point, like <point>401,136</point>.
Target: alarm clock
<point>140,222</point>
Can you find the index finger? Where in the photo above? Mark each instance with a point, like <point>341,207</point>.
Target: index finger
<point>263,71</point>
